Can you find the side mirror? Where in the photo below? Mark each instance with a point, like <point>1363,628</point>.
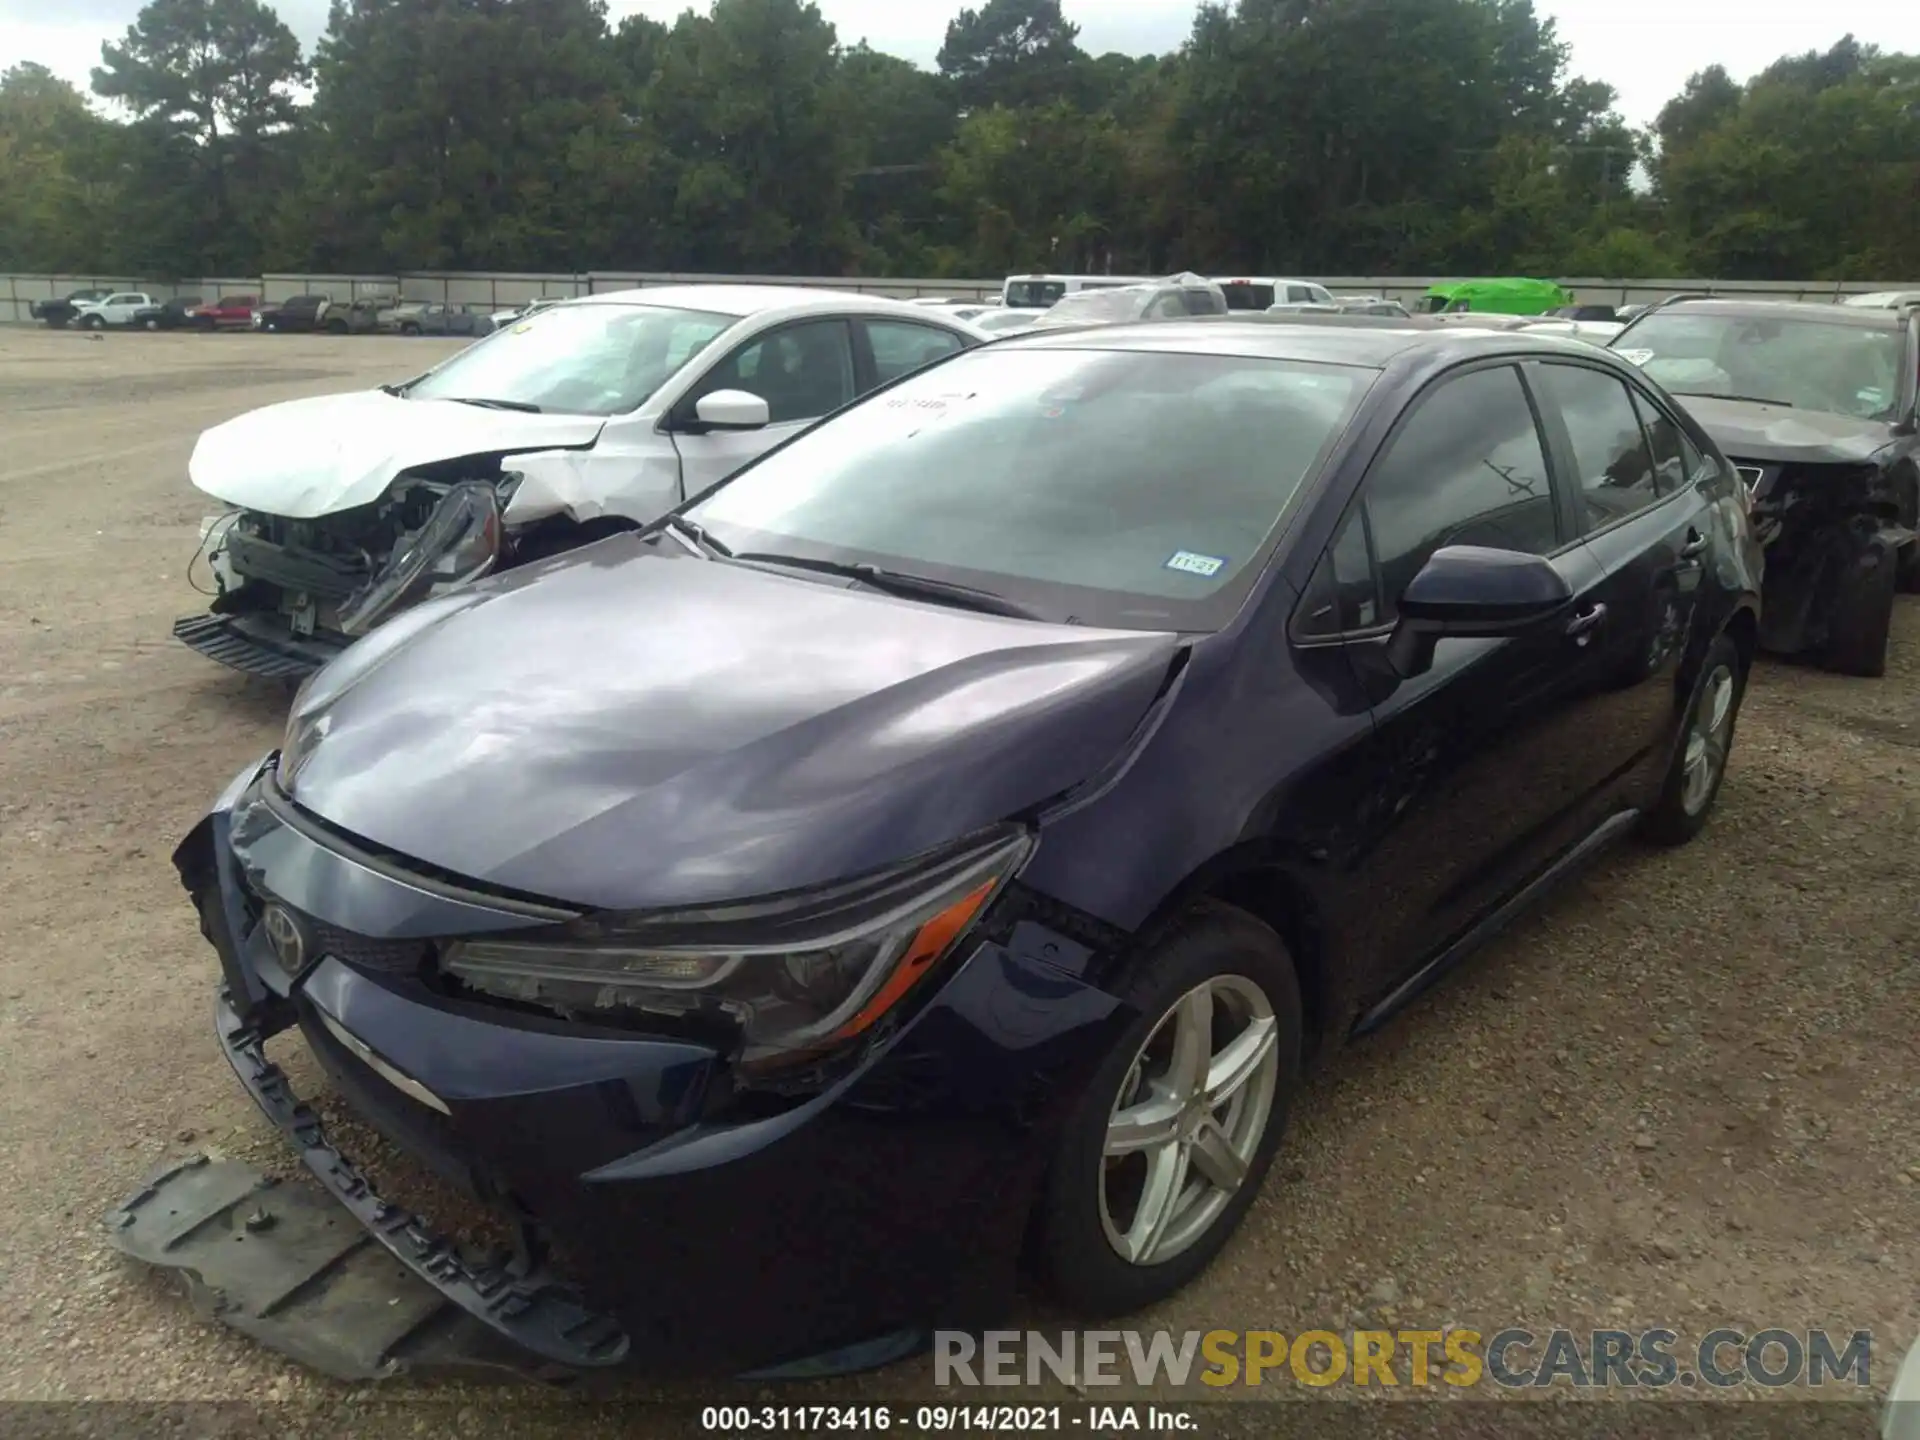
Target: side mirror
<point>1472,591</point>
<point>732,410</point>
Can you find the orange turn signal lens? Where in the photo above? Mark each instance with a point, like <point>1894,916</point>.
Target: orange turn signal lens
<point>930,942</point>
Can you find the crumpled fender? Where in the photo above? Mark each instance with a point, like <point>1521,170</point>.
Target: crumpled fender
<point>589,485</point>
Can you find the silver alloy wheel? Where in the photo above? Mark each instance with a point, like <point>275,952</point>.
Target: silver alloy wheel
<point>1188,1120</point>
<point>1707,740</point>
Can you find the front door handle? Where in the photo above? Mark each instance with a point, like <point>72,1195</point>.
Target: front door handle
<point>1695,547</point>
<point>1586,622</point>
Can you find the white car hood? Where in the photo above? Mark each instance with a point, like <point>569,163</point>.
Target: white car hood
<point>306,458</point>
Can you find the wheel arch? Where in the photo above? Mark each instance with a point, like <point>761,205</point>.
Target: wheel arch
<point>1252,879</point>
<point>1743,628</point>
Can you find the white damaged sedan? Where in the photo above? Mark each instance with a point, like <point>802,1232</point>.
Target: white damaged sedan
<point>581,418</point>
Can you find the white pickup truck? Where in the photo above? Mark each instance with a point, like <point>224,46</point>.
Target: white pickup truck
<point>119,308</point>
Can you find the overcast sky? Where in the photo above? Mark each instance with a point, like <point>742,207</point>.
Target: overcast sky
<point>1644,48</point>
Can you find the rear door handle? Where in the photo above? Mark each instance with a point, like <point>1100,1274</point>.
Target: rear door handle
<point>1586,622</point>
<point>1695,547</point>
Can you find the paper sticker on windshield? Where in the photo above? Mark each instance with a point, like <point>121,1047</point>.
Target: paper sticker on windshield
<point>1636,357</point>
<point>1191,563</point>
<point>1877,398</point>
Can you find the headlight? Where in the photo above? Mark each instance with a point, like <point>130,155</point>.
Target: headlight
<point>792,978</point>
<point>459,543</point>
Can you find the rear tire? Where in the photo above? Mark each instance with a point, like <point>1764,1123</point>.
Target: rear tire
<point>1862,617</point>
<point>409,329</point>
<point>1084,1215</point>
<point>150,324</point>
<point>1688,794</point>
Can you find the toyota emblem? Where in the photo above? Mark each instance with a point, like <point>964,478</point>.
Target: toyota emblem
<point>287,936</point>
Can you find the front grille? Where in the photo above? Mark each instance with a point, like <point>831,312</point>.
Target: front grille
<point>393,957</point>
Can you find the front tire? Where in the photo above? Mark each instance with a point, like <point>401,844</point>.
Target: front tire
<point>1862,619</point>
<point>1166,1149</point>
<point>1700,762</point>
<point>93,322</point>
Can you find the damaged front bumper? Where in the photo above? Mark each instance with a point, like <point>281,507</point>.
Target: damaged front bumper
<point>713,1228</point>
<point>257,643</point>
<point>518,1296</point>
<point>1822,527</point>
<point>282,612</point>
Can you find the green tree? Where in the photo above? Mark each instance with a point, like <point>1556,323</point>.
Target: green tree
<point>1035,188</point>
<point>1012,52</point>
<point>465,133</point>
<point>52,149</point>
<point>749,114</point>
<point>1813,170</point>
<point>212,82</point>
<point>1298,156</point>
<point>1710,97</point>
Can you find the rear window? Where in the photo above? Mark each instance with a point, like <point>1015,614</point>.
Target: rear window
<point>1035,294</point>
<point>1244,295</point>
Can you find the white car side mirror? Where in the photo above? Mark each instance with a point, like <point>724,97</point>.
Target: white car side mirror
<point>732,410</point>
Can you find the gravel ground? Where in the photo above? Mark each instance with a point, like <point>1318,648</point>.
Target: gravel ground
<point>1679,1095</point>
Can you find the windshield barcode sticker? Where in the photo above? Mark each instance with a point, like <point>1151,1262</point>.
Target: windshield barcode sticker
<point>1190,563</point>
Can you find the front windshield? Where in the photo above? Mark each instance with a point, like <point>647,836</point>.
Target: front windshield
<point>577,359</point>
<point>1119,488</point>
<point>1845,369</point>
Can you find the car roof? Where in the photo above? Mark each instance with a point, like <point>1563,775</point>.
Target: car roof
<point>1859,315</point>
<point>1343,342</point>
<point>741,301</point>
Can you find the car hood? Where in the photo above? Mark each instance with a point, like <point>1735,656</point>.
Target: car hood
<point>1778,434</point>
<point>305,458</point>
<point>626,729</point>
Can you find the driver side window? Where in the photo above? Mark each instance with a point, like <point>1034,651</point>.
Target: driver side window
<point>1468,468</point>
<point>802,371</point>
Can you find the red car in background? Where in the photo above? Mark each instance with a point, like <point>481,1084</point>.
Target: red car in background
<point>229,312</point>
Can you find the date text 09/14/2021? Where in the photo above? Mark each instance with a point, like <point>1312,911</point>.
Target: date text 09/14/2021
<point>944,1419</point>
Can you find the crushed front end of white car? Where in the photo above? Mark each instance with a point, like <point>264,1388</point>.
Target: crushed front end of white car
<point>344,510</point>
<point>578,419</point>
<point>290,594</point>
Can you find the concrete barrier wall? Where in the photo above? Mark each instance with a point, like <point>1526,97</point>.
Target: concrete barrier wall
<point>499,290</point>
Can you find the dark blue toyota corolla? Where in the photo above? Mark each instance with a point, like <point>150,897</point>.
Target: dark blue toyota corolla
<point>940,848</point>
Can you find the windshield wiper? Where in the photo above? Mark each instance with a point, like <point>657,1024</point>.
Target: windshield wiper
<point>696,533</point>
<point>488,403</point>
<point>900,583</point>
<point>1745,399</point>
<point>392,389</point>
